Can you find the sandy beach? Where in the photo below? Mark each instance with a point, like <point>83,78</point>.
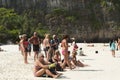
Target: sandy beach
<point>102,66</point>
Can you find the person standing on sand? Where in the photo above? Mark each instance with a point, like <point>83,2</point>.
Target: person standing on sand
<point>29,47</point>
<point>24,47</point>
<point>35,41</point>
<point>112,47</point>
<point>54,43</point>
<point>19,44</point>
<point>64,45</point>
<point>46,44</point>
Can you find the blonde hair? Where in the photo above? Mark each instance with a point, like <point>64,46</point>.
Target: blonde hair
<point>47,35</point>
<point>57,52</point>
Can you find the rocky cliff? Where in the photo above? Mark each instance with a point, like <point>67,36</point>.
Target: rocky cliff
<point>89,20</point>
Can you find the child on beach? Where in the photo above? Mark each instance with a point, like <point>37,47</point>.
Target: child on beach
<point>80,52</point>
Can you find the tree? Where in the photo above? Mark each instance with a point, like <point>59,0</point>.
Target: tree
<point>10,24</point>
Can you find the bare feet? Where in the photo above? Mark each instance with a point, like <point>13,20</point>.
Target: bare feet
<point>26,62</point>
<point>74,67</point>
<point>85,65</point>
<point>114,56</point>
<point>56,76</point>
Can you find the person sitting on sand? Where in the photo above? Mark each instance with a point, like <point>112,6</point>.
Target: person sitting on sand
<point>80,52</point>
<point>57,55</point>
<point>42,67</point>
<point>57,59</point>
<point>90,45</point>
<point>76,62</point>
<point>69,59</point>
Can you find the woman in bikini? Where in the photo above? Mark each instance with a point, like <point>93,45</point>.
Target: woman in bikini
<point>64,45</point>
<point>24,46</point>
<point>46,45</point>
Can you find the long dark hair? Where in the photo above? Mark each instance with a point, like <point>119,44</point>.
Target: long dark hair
<point>111,42</point>
<point>65,36</point>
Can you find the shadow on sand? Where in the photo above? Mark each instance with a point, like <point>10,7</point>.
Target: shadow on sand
<point>88,70</point>
<point>63,77</point>
<point>88,59</point>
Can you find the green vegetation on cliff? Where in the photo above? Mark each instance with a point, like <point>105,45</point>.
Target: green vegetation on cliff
<point>98,19</point>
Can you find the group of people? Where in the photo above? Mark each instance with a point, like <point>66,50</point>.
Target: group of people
<point>50,61</point>
<point>25,46</point>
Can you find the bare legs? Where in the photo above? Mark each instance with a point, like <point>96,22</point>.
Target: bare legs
<point>42,71</point>
<point>29,53</point>
<point>25,58</point>
<point>35,55</point>
<point>80,64</point>
<point>113,53</point>
<point>66,61</point>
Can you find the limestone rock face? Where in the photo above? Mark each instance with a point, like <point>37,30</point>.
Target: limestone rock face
<point>91,15</point>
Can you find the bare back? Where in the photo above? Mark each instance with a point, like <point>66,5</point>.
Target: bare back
<point>64,44</point>
<point>46,42</point>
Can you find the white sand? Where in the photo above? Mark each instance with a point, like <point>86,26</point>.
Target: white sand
<point>102,65</point>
